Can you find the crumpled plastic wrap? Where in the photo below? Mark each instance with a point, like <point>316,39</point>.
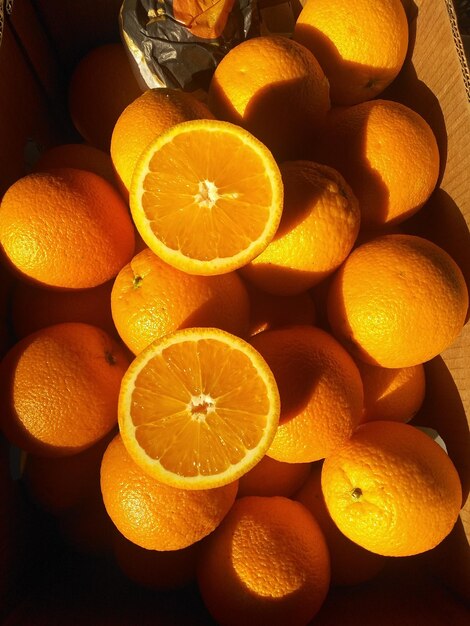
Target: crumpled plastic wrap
<point>179,43</point>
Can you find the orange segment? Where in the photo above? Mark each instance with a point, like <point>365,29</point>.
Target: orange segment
<point>206,196</point>
<point>198,408</point>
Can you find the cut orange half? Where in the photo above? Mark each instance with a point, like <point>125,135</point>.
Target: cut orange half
<point>206,196</point>
<point>198,408</point>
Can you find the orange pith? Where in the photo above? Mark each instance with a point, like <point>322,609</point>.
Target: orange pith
<point>206,196</point>
<point>198,408</point>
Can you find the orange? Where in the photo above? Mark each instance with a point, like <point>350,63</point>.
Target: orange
<point>206,196</point>
<point>407,309</point>
<point>268,311</point>
<point>153,515</point>
<point>35,307</point>
<point>350,564</point>
<point>151,298</point>
<point>360,46</point>
<point>211,400</point>
<point>267,563</point>
<point>319,225</point>
<point>58,484</point>
<point>102,84</point>
<point>392,393</point>
<point>60,387</point>
<point>155,569</point>
<point>276,89</point>
<point>273,478</point>
<point>203,18</point>
<point>149,115</point>
<point>68,228</point>
<point>80,156</point>
<point>369,144</point>
<point>320,389</point>
<point>392,489</point>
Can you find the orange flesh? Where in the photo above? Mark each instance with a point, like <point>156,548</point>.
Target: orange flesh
<point>193,399</point>
<point>191,206</point>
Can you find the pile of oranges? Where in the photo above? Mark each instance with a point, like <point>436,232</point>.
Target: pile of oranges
<point>221,324</point>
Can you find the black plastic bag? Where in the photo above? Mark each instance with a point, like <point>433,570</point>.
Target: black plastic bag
<point>174,49</point>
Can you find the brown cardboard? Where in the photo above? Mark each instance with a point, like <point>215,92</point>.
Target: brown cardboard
<point>44,38</point>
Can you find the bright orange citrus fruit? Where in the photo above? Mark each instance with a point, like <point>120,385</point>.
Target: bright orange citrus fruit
<point>267,563</point>
<point>392,489</point>
<point>198,408</point>
<point>153,515</point>
<point>206,196</point>
<point>397,301</point>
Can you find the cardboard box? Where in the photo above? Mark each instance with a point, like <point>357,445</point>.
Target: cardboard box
<point>42,40</point>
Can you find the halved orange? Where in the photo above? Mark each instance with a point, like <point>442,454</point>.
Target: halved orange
<point>206,196</point>
<point>198,408</point>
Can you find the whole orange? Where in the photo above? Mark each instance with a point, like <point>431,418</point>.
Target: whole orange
<point>360,45</point>
<point>319,225</point>
<point>267,563</point>
<point>68,228</point>
<point>153,515</point>
<point>60,388</point>
<point>398,300</point>
<point>392,489</point>
<point>153,112</point>
<point>276,89</point>
<point>150,298</point>
<point>34,307</point>
<point>350,564</point>
<point>102,84</point>
<point>369,143</point>
<point>320,389</point>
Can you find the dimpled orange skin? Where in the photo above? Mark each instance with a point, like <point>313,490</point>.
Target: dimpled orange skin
<point>275,88</point>
<point>320,388</point>
<point>68,228</point>
<point>150,299</point>
<point>145,118</point>
<point>392,489</point>
<point>369,143</point>
<point>350,564</point>
<point>61,386</point>
<point>360,45</point>
<point>319,225</point>
<point>153,515</point>
<point>397,301</point>
<point>267,563</point>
